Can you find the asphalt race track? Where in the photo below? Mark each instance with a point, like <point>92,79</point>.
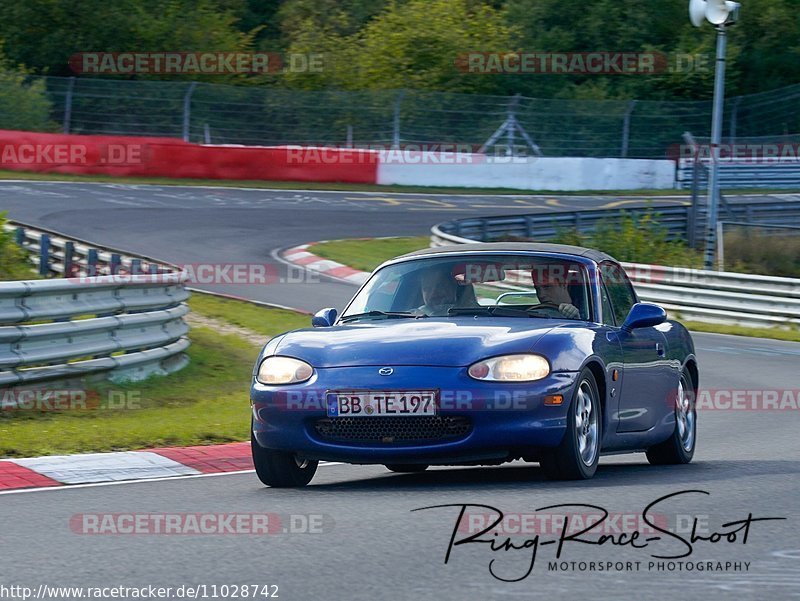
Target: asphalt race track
<point>371,544</point>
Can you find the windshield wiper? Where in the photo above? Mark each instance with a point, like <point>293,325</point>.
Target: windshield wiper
<point>494,311</point>
<point>376,313</point>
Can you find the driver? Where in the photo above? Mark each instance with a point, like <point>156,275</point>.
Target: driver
<point>439,293</point>
<point>551,288</point>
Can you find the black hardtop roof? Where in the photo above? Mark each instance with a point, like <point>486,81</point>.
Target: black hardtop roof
<point>503,247</point>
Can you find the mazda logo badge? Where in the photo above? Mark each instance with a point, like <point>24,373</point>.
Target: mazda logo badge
<point>386,371</point>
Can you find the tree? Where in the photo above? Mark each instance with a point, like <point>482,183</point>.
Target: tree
<point>43,34</point>
<point>415,44</point>
<point>23,102</point>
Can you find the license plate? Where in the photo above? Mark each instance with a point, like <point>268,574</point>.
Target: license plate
<point>376,403</point>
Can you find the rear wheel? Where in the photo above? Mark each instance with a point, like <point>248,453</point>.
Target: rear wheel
<point>406,468</point>
<point>679,448</point>
<point>281,469</point>
<point>577,456</point>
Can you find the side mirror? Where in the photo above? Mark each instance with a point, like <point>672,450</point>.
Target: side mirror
<point>644,315</point>
<point>324,318</point>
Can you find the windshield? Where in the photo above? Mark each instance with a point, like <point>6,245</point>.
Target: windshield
<point>494,285</point>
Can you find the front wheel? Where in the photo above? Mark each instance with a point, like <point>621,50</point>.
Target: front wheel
<point>577,456</point>
<point>281,469</point>
<point>679,448</point>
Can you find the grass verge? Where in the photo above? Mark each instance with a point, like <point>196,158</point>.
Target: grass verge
<point>205,403</point>
<point>774,333</point>
<point>262,320</point>
<point>366,254</point>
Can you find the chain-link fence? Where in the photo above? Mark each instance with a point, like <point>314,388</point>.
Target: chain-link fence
<point>224,114</point>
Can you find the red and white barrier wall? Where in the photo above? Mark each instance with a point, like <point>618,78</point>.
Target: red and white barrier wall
<point>169,157</point>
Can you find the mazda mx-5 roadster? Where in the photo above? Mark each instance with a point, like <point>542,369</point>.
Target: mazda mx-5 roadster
<point>478,354</point>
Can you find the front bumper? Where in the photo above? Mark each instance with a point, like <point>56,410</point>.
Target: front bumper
<point>504,418</point>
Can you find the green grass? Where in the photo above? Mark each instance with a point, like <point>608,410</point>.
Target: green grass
<point>763,250</point>
<point>206,402</point>
<point>346,187</point>
<point>14,263</point>
<point>774,333</point>
<point>250,316</point>
<point>366,254</point>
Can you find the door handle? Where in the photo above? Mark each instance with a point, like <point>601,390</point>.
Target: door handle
<point>660,349</point>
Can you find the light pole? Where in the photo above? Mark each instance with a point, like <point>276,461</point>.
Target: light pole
<point>721,14</point>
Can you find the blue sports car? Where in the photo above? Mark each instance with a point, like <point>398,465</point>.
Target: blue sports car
<point>478,354</point>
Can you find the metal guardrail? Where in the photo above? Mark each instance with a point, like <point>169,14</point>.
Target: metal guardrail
<point>743,174</point>
<point>129,324</point>
<point>679,221</point>
<point>687,293</point>
<point>54,254</point>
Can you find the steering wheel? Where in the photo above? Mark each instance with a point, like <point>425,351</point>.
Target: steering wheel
<point>546,306</point>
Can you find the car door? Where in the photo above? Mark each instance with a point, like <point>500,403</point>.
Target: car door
<point>647,378</point>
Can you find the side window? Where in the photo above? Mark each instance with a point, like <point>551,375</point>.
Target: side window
<point>619,288</point>
<point>608,312</point>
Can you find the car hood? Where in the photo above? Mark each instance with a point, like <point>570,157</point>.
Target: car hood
<point>429,341</point>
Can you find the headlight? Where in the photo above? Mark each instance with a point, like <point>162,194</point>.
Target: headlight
<point>283,370</point>
<point>510,368</point>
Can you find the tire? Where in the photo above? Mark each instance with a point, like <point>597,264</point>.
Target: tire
<point>406,468</point>
<point>281,469</point>
<point>678,449</point>
<point>578,454</point>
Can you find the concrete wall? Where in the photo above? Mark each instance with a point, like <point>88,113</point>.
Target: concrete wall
<point>546,173</point>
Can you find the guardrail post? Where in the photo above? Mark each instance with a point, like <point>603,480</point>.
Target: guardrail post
<point>68,105</point>
<point>691,216</point>
<point>44,255</point>
<point>187,110</point>
<point>626,128</point>
<point>115,264</point>
<point>69,251</point>
<point>528,227</point>
<point>91,262</point>
<point>396,120</point>
<point>691,222</point>
<point>136,266</point>
<point>19,236</point>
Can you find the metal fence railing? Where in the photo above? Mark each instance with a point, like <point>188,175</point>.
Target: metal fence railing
<point>135,327</point>
<point>264,115</point>
<point>745,162</point>
<point>680,222</point>
<point>128,324</point>
<point>687,293</point>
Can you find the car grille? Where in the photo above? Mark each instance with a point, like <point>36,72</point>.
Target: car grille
<point>394,429</point>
